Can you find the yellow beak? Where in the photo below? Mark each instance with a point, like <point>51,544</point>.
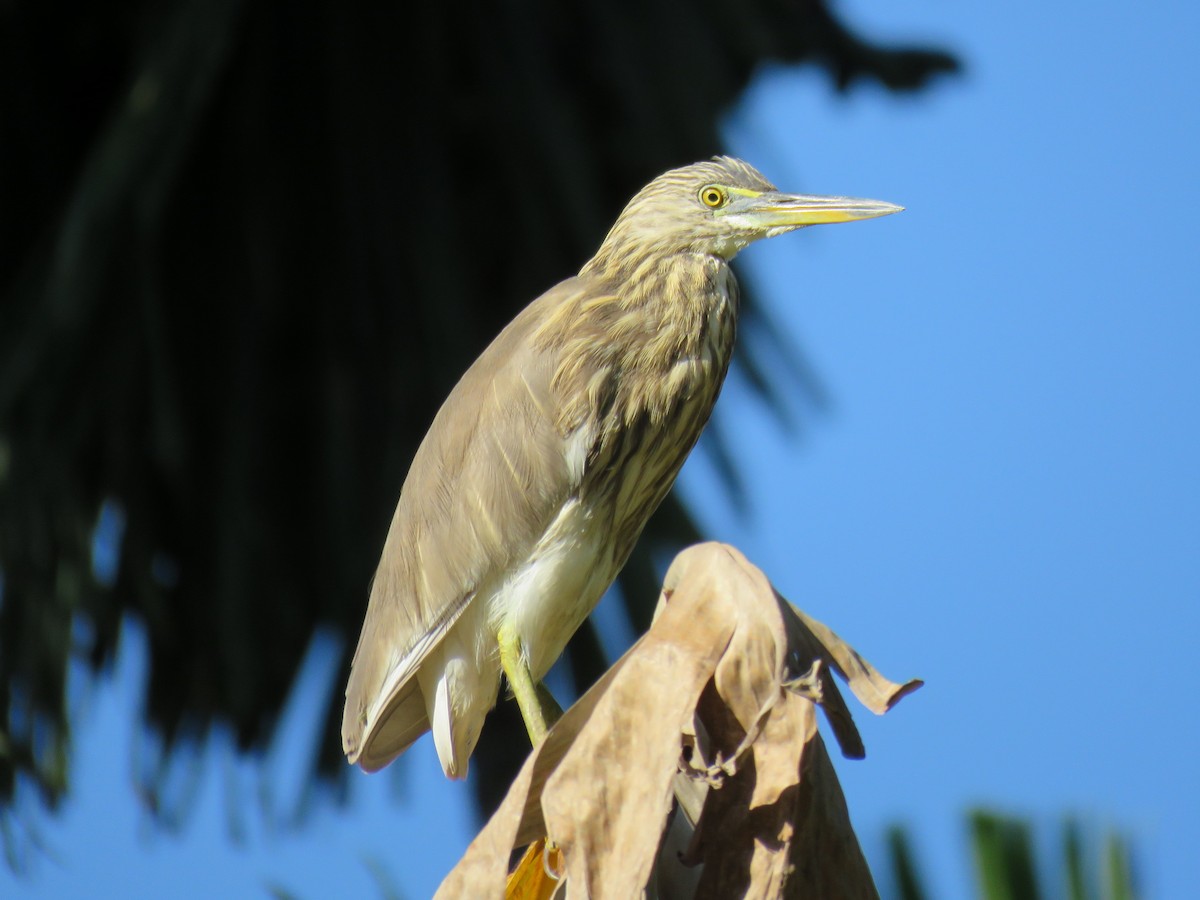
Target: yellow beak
<point>774,209</point>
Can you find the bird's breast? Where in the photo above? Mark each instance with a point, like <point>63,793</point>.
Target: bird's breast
<point>662,408</point>
<point>546,599</point>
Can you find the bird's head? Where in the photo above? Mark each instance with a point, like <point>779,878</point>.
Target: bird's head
<point>717,207</point>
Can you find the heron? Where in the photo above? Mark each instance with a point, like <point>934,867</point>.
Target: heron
<point>543,465</point>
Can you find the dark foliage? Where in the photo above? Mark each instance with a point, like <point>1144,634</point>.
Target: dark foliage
<point>1007,867</point>
<point>248,246</point>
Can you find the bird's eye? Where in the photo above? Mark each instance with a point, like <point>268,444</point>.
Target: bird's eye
<point>712,196</point>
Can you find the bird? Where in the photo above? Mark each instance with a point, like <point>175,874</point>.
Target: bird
<point>540,470</point>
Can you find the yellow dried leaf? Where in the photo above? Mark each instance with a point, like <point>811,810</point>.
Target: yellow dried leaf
<point>536,875</point>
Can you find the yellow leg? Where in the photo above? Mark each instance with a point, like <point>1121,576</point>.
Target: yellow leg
<point>522,685</point>
<point>539,710</point>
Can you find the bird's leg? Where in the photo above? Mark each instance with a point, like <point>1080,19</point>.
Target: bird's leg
<point>535,710</point>
<point>539,710</point>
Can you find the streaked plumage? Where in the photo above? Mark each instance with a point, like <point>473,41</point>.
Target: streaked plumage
<point>543,465</point>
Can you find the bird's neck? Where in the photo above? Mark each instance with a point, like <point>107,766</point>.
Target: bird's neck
<point>675,292</point>
<point>646,337</point>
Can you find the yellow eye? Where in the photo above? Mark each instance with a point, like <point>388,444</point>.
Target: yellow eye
<point>712,196</point>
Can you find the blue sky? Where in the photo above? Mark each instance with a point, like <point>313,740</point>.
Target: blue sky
<point>1002,498</point>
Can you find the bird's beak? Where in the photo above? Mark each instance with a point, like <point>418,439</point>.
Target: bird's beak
<point>773,209</point>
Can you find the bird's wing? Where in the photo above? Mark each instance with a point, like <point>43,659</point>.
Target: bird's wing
<point>483,486</point>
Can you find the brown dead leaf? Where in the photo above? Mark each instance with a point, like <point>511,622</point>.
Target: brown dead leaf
<point>875,692</point>
<point>716,705</point>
